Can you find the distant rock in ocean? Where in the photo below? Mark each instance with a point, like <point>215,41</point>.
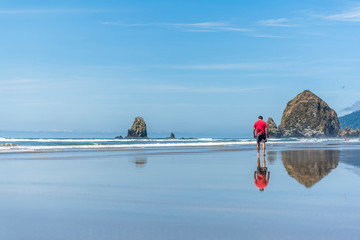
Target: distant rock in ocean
<point>172,136</point>
<point>273,130</point>
<point>8,145</point>
<point>307,115</point>
<point>119,137</point>
<point>138,129</point>
<point>348,133</point>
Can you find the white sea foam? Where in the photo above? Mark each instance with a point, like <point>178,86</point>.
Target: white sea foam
<point>101,140</point>
<point>35,145</point>
<point>61,140</point>
<point>152,145</point>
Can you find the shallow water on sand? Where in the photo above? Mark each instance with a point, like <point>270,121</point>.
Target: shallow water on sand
<point>196,193</point>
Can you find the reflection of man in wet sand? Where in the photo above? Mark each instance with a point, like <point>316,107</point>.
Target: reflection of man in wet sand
<point>260,175</point>
<point>262,131</point>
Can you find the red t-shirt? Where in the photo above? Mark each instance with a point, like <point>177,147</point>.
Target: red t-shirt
<point>260,126</point>
<point>261,182</point>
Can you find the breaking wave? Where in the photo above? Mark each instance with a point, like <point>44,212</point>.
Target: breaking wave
<point>8,145</point>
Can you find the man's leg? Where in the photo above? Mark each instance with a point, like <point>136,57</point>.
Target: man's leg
<point>263,147</point>
<point>258,148</point>
<point>264,162</point>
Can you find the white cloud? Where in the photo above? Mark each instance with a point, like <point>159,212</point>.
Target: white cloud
<point>268,36</point>
<point>280,22</point>
<point>121,24</point>
<point>352,15</point>
<point>251,66</point>
<point>187,27</point>
<point>19,85</point>
<point>210,89</point>
<point>224,66</point>
<point>234,29</point>
<point>201,24</point>
<point>16,81</point>
<point>39,11</point>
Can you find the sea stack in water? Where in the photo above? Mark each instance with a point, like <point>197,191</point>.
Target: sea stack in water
<point>172,136</point>
<point>307,115</point>
<point>138,129</point>
<point>273,130</point>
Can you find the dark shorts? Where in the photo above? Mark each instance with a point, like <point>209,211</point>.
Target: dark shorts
<point>261,170</point>
<point>261,138</point>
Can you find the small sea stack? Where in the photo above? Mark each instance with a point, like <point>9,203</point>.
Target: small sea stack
<point>273,130</point>
<point>172,136</point>
<point>138,129</point>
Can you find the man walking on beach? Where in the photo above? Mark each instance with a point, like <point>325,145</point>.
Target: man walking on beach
<point>262,131</point>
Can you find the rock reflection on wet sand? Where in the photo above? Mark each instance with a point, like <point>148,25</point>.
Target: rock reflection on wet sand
<point>309,167</point>
<point>140,161</point>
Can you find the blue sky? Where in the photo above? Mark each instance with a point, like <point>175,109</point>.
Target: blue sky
<point>195,68</point>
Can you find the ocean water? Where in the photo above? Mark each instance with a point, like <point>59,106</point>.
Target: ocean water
<point>12,145</point>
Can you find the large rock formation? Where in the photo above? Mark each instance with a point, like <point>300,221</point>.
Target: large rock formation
<point>307,115</point>
<point>138,129</point>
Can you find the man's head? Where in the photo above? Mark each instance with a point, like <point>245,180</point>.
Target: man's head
<point>260,117</point>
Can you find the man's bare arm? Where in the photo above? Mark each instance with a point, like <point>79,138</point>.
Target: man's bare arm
<point>254,133</point>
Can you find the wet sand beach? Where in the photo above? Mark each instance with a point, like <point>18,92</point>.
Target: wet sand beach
<point>182,193</point>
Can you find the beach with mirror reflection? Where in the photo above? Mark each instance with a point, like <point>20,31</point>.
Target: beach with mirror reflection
<point>227,192</point>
